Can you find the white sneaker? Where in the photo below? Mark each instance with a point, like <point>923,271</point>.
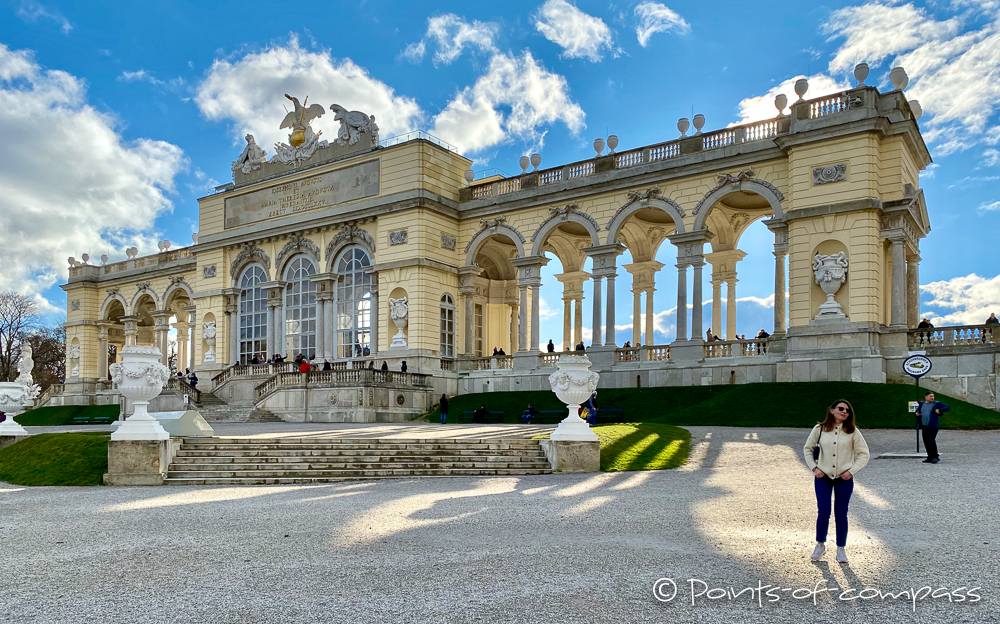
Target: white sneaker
<point>819,552</point>
<point>841,555</point>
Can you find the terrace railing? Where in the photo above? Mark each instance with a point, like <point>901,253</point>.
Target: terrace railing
<point>955,335</point>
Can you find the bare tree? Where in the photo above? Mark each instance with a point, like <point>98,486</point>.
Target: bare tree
<point>48,349</point>
<point>18,316</point>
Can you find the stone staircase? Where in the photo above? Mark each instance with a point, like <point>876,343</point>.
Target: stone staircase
<point>252,461</point>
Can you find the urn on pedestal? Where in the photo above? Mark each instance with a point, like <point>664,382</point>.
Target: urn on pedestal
<point>208,333</point>
<point>140,376</point>
<point>398,312</point>
<point>573,384</point>
<point>830,272</point>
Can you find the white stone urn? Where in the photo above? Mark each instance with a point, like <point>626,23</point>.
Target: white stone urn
<point>398,312</point>
<point>208,333</point>
<point>14,397</point>
<point>140,376</point>
<point>573,383</point>
<point>830,273</point>
<point>74,360</point>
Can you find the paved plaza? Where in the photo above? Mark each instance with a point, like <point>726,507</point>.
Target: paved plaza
<point>553,548</point>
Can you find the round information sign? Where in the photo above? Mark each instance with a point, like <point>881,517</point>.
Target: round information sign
<point>917,365</point>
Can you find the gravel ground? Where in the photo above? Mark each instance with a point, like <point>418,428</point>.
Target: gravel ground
<point>552,548</point>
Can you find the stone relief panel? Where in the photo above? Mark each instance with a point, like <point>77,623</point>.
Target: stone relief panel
<point>398,237</point>
<point>448,242</point>
<point>208,271</point>
<point>74,305</point>
<point>830,173</point>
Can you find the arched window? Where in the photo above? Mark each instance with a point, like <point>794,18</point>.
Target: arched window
<point>354,304</point>
<point>300,308</point>
<point>253,314</point>
<point>447,326</point>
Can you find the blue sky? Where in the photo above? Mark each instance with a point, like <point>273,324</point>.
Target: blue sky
<point>115,120</point>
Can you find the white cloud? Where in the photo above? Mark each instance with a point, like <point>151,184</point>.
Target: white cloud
<point>452,35</point>
<point>249,91</point>
<point>971,299</point>
<point>513,99</point>
<point>761,107</point>
<point>77,187</point>
<point>579,35</point>
<point>654,17</point>
<point>31,11</point>
<point>989,207</point>
<point>991,157</point>
<point>545,311</point>
<point>938,54</point>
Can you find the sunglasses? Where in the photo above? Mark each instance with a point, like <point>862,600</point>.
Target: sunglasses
<point>841,408</point>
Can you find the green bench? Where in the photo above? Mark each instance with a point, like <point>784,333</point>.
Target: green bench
<point>80,420</point>
<point>491,417</point>
<point>547,417</point>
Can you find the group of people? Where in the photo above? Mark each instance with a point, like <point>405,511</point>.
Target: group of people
<point>305,365</point>
<point>838,434</point>
<point>192,379</point>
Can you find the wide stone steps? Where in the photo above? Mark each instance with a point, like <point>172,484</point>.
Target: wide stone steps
<point>250,461</point>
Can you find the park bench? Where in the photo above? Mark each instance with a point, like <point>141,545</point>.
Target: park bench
<point>547,417</point>
<point>491,417</point>
<point>91,419</point>
<point>610,415</point>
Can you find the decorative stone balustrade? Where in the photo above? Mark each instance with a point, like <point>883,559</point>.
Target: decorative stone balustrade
<point>736,348</point>
<point>548,359</point>
<point>955,335</point>
<point>649,353</point>
<point>135,263</point>
<point>347,377</point>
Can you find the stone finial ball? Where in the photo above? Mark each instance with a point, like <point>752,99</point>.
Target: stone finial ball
<point>860,73</point>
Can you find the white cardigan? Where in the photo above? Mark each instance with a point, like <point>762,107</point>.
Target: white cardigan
<point>839,451</point>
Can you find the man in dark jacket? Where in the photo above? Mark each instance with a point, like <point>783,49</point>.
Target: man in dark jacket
<point>444,409</point>
<point>479,416</point>
<point>929,411</point>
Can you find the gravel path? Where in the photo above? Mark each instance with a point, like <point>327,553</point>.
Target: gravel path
<point>553,548</point>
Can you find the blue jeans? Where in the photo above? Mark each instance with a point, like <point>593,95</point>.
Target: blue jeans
<point>841,491</point>
<point>444,417</point>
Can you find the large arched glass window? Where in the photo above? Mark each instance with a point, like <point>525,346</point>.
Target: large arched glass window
<point>447,326</point>
<point>253,314</point>
<point>354,304</point>
<point>300,308</point>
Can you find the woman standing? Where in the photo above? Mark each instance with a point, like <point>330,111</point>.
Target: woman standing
<point>835,452</point>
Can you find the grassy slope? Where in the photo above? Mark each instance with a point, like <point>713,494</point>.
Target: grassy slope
<point>641,446</point>
<point>56,459</point>
<point>64,415</point>
<point>756,405</point>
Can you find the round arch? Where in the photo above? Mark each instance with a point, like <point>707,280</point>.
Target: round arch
<point>295,249</point>
<point>107,303</point>
<point>555,220</point>
<point>667,205</point>
<point>486,233</point>
<point>145,291</point>
<point>174,287</point>
<point>765,189</point>
<point>334,252</point>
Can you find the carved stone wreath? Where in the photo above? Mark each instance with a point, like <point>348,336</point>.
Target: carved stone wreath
<point>349,233</point>
<point>448,242</point>
<point>333,399</point>
<point>295,245</point>
<point>563,214</point>
<point>401,399</point>
<point>725,179</point>
<point>398,237</point>
<point>644,196</point>
<point>248,253</point>
<point>830,173</point>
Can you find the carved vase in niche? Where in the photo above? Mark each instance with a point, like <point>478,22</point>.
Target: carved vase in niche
<point>74,360</point>
<point>208,333</point>
<point>398,312</point>
<point>830,273</point>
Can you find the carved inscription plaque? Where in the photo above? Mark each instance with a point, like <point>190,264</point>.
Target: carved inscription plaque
<point>320,191</point>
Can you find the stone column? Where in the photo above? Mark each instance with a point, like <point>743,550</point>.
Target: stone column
<point>779,292</point>
<point>649,316</point>
<point>192,322</point>
<point>182,344</point>
<point>596,338</point>
<point>131,328</point>
<point>535,330</point>
<point>731,309</point>
<point>161,318</point>
<point>697,333</point>
<point>376,313</point>
<point>636,316</point>
<point>578,322</point>
<point>513,328</point>
<point>913,291</point>
<point>609,335</point>
<point>567,322</point>
<point>270,340</point>
<point>331,323</point>
<point>102,356</point>
<point>681,316</point>
<point>898,283</point>
<point>522,321</point>
<point>716,301</point>
<point>320,329</point>
<point>470,320</point>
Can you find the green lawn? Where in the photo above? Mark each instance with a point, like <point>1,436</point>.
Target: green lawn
<point>65,414</point>
<point>641,446</point>
<point>56,459</point>
<point>751,405</point>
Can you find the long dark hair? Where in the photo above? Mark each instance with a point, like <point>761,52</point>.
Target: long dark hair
<point>829,423</point>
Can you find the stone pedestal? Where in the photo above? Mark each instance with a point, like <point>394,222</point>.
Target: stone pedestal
<point>687,351</point>
<point>139,462</point>
<point>7,440</point>
<point>573,455</point>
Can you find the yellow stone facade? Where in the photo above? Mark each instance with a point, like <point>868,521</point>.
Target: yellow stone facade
<point>839,174</point>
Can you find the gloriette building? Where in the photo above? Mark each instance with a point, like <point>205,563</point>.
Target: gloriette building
<point>356,251</point>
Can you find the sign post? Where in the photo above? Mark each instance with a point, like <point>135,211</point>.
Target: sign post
<point>917,366</point>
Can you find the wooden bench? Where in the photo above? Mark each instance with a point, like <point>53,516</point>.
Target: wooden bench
<point>547,416</point>
<point>610,415</point>
<point>491,417</point>
<point>91,419</point>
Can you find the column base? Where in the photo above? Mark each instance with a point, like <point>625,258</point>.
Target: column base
<point>687,351</point>
<point>139,462</point>
<point>573,455</point>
